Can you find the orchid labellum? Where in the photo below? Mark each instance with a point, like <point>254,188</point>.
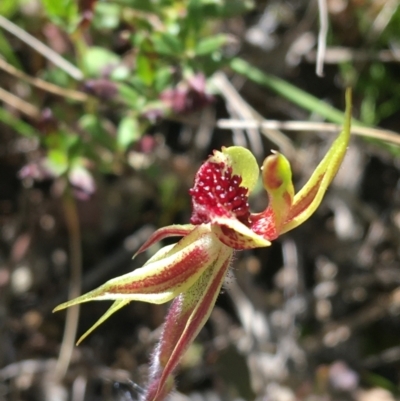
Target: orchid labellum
<point>191,272</point>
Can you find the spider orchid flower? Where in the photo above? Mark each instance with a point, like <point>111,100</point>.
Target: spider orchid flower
<point>191,272</point>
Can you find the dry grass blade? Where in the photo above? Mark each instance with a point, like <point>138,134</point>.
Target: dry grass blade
<point>237,106</point>
<point>46,86</point>
<point>374,133</point>
<point>382,20</point>
<point>338,54</point>
<point>323,32</point>
<point>246,112</point>
<point>19,104</point>
<point>41,48</point>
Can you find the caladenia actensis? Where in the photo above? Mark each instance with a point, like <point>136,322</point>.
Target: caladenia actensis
<point>191,272</point>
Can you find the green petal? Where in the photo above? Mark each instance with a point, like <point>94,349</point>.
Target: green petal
<point>310,196</point>
<point>277,181</point>
<point>243,164</point>
<point>171,271</point>
<point>117,305</point>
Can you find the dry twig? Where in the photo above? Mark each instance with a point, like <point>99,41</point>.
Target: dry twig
<point>75,250</point>
<point>246,112</point>
<point>19,104</point>
<point>323,31</point>
<point>41,48</point>
<point>41,84</point>
<point>374,133</point>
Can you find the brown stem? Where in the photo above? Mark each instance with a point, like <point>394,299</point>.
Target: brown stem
<point>75,252</point>
<point>44,85</point>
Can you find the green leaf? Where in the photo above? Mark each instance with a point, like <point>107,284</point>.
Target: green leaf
<point>163,78</point>
<point>226,8</point>
<point>168,44</point>
<point>145,69</point>
<point>128,93</point>
<point>64,13</point>
<point>289,91</point>
<point>92,124</point>
<point>380,381</point>
<point>56,76</point>
<point>63,141</point>
<point>16,124</point>
<point>57,161</point>
<point>7,51</point>
<point>131,96</point>
<point>120,73</point>
<point>8,7</point>
<point>128,132</point>
<point>96,59</point>
<point>107,16</point>
<point>210,45</point>
<point>148,6</point>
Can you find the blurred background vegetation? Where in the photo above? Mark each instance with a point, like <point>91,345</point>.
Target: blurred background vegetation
<point>107,108</point>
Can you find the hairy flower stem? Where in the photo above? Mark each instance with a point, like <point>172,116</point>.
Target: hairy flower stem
<point>186,317</point>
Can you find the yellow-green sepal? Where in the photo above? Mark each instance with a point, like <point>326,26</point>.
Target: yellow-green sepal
<point>117,305</point>
<point>307,200</point>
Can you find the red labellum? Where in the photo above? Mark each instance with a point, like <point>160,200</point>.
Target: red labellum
<point>217,192</point>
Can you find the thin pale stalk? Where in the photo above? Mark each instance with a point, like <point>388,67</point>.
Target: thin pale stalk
<point>75,255</point>
<point>41,48</point>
